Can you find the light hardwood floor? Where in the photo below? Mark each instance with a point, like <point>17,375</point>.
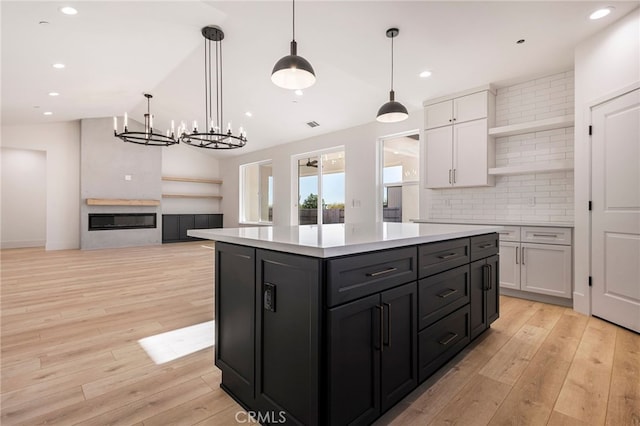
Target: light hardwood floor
<point>71,321</point>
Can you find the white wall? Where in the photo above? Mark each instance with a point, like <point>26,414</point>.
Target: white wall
<point>604,64</point>
<point>61,142</point>
<point>24,198</point>
<point>361,151</point>
<point>186,161</point>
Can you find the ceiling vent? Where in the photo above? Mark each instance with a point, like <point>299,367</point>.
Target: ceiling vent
<point>312,124</point>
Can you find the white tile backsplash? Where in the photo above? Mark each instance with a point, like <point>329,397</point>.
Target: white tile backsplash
<point>539,197</point>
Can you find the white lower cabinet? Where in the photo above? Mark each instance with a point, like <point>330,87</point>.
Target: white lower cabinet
<point>536,259</point>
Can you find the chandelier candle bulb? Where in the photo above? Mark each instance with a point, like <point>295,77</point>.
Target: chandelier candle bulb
<point>195,125</point>
<point>125,121</point>
<point>115,124</point>
<point>172,127</point>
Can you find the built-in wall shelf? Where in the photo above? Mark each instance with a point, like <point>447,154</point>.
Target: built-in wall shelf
<point>121,202</point>
<point>532,126</point>
<point>541,167</point>
<point>188,179</point>
<point>217,197</point>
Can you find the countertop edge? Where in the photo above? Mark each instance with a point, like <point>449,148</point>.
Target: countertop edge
<point>495,223</point>
<point>329,252</point>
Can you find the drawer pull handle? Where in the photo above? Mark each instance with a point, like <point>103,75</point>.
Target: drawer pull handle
<point>484,246</point>
<point>447,293</point>
<point>386,271</point>
<point>546,235</point>
<point>448,340</point>
<point>448,256</point>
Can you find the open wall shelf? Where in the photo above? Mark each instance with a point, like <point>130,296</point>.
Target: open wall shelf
<point>532,126</point>
<point>548,166</point>
<point>194,180</point>
<point>121,202</point>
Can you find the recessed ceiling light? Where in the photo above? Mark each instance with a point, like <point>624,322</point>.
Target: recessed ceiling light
<point>58,66</point>
<point>248,114</point>
<point>520,41</point>
<point>425,74</point>
<point>47,113</point>
<point>54,94</point>
<point>68,10</point>
<point>601,13</point>
<point>299,92</point>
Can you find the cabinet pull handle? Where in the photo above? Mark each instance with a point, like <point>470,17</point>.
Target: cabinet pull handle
<point>546,235</point>
<point>517,250</point>
<point>484,246</point>
<point>523,255</point>
<point>451,338</point>
<point>448,256</point>
<point>449,176</point>
<point>490,276</point>
<point>485,277</point>
<point>447,293</point>
<point>454,173</point>
<point>381,329</point>
<point>387,335</point>
<point>385,271</point>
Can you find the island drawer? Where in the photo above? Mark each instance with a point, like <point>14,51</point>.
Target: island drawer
<point>441,341</point>
<point>438,257</point>
<point>352,277</point>
<point>441,294</point>
<point>484,246</point>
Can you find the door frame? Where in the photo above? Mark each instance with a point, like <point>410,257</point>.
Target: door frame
<point>582,293</point>
<point>295,220</point>
<point>380,165</point>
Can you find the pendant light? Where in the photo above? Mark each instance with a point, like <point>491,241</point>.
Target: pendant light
<point>148,136</point>
<point>392,111</point>
<point>292,71</point>
<point>212,136</point>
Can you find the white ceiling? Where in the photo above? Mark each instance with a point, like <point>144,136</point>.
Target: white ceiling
<point>115,51</point>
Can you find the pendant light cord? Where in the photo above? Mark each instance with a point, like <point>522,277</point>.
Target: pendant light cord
<point>293,17</point>
<point>392,63</point>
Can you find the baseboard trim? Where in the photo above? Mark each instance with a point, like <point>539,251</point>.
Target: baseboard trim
<point>537,297</point>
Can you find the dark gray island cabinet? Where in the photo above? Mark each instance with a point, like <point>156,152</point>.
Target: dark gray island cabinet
<point>339,332</point>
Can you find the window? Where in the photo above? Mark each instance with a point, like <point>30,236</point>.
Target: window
<point>321,186</point>
<point>256,192</point>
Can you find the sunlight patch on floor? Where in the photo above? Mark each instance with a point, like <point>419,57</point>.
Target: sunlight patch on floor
<point>165,347</point>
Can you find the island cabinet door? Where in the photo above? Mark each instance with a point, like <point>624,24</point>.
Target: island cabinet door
<point>399,353</point>
<point>235,319</point>
<point>288,338</point>
<point>484,294</point>
<point>373,350</point>
<point>355,339</point>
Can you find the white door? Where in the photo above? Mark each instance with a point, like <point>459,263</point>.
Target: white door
<point>615,221</point>
<point>470,153</point>
<point>546,269</point>
<point>439,157</point>
<point>510,265</point>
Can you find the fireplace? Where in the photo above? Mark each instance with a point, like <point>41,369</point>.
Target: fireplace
<point>109,221</point>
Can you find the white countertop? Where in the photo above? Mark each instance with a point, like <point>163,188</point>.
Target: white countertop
<point>340,239</point>
<point>495,222</point>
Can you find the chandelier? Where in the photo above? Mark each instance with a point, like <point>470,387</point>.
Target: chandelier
<point>148,136</point>
<point>211,135</point>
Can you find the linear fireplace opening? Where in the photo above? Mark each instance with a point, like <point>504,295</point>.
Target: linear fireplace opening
<point>107,221</point>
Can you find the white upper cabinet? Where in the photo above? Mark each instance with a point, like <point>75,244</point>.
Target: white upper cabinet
<point>456,110</point>
<point>459,151</point>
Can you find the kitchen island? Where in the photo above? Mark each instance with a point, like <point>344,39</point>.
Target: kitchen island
<point>335,324</point>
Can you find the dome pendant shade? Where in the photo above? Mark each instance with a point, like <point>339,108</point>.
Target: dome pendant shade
<point>293,72</point>
<point>392,111</point>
